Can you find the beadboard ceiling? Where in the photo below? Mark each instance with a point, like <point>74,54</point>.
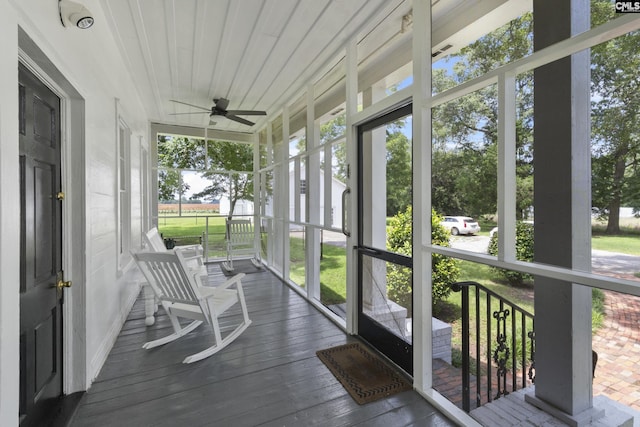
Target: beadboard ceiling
<point>258,54</point>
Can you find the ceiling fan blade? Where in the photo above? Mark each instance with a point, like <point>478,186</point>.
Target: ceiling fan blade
<point>190,105</point>
<point>221,103</point>
<point>247,113</point>
<point>195,112</point>
<point>239,120</point>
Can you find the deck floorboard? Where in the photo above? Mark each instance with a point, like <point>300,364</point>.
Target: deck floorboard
<point>269,376</point>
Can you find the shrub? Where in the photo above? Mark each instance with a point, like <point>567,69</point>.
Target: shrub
<point>444,270</point>
<point>524,252</point>
<point>597,309</point>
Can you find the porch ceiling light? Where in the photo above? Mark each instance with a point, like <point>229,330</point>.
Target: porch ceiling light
<point>74,14</point>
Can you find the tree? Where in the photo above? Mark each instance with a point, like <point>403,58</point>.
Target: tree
<point>399,177</point>
<point>329,131</point>
<point>237,158</point>
<point>615,93</point>
<point>465,129</point>
<point>180,152</point>
<point>176,153</point>
<point>170,185</point>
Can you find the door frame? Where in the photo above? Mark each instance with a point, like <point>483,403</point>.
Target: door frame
<point>386,342</point>
<point>74,369</point>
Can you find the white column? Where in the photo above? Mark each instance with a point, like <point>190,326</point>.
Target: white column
<point>285,202</point>
<point>422,340</point>
<point>351,108</point>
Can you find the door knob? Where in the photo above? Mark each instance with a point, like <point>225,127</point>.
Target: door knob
<point>63,284</point>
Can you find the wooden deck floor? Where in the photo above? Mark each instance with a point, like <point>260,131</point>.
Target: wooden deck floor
<point>270,376</point>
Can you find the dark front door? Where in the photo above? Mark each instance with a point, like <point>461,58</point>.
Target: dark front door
<point>384,263</point>
<point>40,251</point>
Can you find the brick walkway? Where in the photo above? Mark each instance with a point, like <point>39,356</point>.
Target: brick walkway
<point>618,346</point>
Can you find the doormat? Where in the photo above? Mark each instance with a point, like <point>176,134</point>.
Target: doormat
<point>365,375</point>
<point>241,266</point>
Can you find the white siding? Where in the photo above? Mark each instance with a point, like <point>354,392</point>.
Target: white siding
<point>90,62</point>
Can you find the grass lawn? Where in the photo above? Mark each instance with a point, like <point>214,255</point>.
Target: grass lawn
<point>333,275</point>
<point>333,266</point>
<point>175,226</point>
<point>189,230</point>
<point>333,270</point>
<point>485,226</point>
<point>626,244</point>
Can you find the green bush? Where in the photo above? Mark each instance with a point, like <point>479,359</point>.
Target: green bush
<point>597,309</point>
<point>444,270</point>
<point>524,252</point>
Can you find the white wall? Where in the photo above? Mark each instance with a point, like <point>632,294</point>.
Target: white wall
<point>101,293</point>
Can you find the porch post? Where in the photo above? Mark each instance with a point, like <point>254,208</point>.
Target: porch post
<point>562,197</point>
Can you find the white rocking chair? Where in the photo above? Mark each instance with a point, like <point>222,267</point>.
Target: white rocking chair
<point>154,241</point>
<point>192,253</point>
<point>240,242</point>
<point>193,256</point>
<point>181,293</point>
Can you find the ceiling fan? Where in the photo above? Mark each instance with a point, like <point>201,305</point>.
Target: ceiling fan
<point>219,108</point>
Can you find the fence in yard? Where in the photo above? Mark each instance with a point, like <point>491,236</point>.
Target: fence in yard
<point>208,230</point>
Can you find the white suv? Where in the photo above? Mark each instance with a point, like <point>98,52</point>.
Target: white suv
<point>460,225</point>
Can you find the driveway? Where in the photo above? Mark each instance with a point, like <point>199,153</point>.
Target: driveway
<point>614,263</point>
<point>477,244</point>
<point>603,262</point>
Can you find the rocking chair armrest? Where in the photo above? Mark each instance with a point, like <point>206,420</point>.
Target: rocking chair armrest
<point>231,281</point>
<point>196,258</point>
<point>207,292</point>
<point>187,249</point>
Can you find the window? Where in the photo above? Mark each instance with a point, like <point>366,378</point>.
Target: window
<point>124,194</point>
<point>144,180</point>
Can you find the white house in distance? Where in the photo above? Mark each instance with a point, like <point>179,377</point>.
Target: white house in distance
<point>242,207</point>
<point>298,191</point>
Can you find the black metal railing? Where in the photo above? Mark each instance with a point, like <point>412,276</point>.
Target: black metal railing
<point>498,336</point>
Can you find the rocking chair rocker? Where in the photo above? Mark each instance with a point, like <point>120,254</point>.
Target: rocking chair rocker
<point>179,289</point>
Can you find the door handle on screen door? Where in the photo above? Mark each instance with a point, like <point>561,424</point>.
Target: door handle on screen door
<point>345,230</point>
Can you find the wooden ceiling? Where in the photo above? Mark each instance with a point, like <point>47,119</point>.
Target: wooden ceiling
<point>258,54</point>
